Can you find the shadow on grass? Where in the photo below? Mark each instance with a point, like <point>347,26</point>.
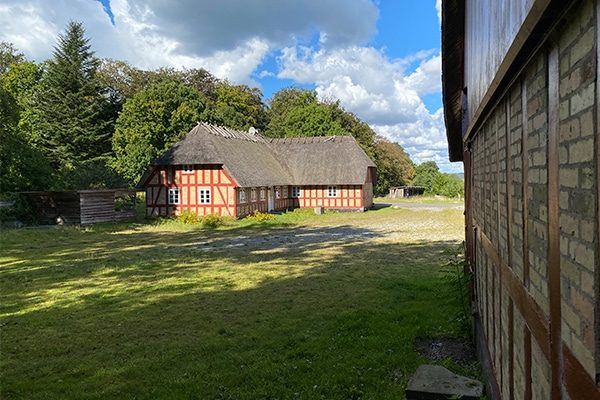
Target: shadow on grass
<point>314,313</point>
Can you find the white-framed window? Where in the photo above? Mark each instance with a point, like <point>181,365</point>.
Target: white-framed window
<point>285,192</point>
<point>174,196</point>
<point>187,169</point>
<point>331,191</point>
<point>242,195</point>
<point>277,192</point>
<point>263,194</point>
<point>253,195</point>
<point>204,196</point>
<point>295,191</point>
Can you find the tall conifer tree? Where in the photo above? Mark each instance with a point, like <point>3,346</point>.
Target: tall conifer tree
<point>75,120</point>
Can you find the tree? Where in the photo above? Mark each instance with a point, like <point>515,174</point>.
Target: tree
<point>238,107</point>
<point>75,117</point>
<point>9,55</point>
<point>297,112</point>
<point>22,166</point>
<point>448,185</point>
<point>394,166</point>
<point>425,175</point>
<point>428,175</point>
<point>22,82</point>
<point>152,121</point>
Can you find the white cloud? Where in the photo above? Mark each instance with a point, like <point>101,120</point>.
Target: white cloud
<point>231,38</point>
<point>379,91</point>
<point>427,78</point>
<point>438,8</point>
<point>228,37</point>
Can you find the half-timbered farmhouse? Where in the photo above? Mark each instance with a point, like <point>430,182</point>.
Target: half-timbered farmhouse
<point>521,102</point>
<point>217,170</point>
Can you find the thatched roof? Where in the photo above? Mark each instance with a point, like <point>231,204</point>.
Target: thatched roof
<point>253,160</point>
<point>333,160</point>
<point>453,47</point>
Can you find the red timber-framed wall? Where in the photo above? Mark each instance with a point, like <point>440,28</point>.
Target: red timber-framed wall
<point>222,188</point>
<point>227,198</point>
<point>348,197</point>
<point>249,205</point>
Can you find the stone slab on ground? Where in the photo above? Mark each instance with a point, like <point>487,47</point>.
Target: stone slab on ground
<point>432,382</point>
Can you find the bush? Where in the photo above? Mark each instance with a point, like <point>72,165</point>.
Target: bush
<point>212,221</point>
<point>259,217</point>
<point>188,217</point>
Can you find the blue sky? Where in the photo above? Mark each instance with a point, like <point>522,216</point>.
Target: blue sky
<point>379,58</point>
<point>396,26</point>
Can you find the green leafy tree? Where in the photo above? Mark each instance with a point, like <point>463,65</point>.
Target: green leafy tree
<point>448,185</point>
<point>22,81</point>
<point>22,166</point>
<point>123,81</point>
<point>152,121</point>
<point>425,175</point>
<point>75,118</point>
<point>435,182</point>
<point>9,55</point>
<point>239,107</point>
<point>394,166</point>
<point>297,112</point>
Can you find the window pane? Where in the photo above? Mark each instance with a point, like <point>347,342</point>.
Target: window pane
<point>173,196</point>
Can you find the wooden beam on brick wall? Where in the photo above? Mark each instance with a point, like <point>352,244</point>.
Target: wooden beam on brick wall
<point>509,217</point>
<point>525,183</point>
<point>553,225</point>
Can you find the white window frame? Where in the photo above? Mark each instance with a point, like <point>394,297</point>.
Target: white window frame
<point>277,192</point>
<point>173,196</point>
<point>207,198</point>
<point>332,191</point>
<point>253,196</point>
<point>295,191</point>
<point>242,195</point>
<point>263,194</point>
<point>187,169</point>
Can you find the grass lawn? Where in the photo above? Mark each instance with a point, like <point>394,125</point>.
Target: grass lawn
<point>302,307</point>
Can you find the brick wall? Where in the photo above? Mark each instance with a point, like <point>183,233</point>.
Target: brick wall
<point>577,180</point>
<point>511,213</point>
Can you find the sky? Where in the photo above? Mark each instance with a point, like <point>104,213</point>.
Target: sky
<point>380,58</point>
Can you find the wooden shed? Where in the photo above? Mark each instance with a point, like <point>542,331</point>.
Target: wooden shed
<point>82,207</point>
<point>521,104</point>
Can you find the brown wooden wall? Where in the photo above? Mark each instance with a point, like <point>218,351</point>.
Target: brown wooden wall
<point>532,220</point>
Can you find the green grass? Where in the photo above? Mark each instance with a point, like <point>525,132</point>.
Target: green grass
<point>165,310</point>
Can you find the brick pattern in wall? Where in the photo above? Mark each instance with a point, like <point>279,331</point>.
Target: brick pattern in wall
<point>510,213</point>
<point>577,180</point>
<point>537,186</point>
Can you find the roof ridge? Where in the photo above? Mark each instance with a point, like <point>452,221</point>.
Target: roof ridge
<point>230,133</point>
<point>312,139</point>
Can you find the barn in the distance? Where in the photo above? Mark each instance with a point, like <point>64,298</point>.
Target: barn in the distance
<point>217,170</point>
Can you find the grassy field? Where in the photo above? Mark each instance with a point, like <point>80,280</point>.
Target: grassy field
<point>302,307</point>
